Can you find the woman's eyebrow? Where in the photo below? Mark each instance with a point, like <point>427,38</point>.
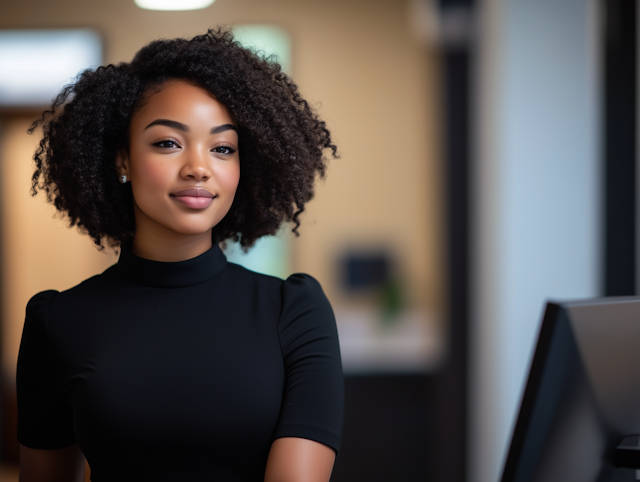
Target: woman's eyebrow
<point>184,128</point>
<point>222,128</point>
<point>169,123</point>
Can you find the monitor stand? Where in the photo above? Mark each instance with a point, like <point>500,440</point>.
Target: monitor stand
<point>626,459</point>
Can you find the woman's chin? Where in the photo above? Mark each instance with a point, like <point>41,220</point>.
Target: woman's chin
<point>193,229</point>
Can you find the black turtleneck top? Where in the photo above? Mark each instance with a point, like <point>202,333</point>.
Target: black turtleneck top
<point>179,371</point>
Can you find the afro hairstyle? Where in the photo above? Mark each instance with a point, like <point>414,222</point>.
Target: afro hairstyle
<point>282,141</point>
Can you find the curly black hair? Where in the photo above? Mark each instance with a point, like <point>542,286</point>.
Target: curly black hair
<point>282,140</point>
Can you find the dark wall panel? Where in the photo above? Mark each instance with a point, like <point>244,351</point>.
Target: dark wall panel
<point>620,52</point>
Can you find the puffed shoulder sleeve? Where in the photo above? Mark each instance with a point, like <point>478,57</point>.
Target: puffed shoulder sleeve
<point>44,422</point>
<point>313,402</point>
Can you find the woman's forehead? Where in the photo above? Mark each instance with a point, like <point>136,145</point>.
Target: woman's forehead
<point>182,100</point>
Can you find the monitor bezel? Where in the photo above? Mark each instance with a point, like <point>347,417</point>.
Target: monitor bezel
<point>545,336</point>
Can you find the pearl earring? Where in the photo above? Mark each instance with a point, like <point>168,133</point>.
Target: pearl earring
<point>123,179</point>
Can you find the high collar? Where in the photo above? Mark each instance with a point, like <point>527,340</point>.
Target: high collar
<point>161,274</point>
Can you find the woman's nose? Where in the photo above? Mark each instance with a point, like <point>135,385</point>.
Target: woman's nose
<point>197,165</point>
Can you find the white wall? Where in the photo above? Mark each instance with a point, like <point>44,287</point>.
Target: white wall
<point>537,197</point>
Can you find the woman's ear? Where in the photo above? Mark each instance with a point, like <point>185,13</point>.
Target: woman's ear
<point>122,163</point>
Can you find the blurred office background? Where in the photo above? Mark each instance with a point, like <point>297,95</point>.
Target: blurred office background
<point>488,153</point>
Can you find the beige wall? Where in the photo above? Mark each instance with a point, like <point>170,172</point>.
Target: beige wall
<point>376,87</point>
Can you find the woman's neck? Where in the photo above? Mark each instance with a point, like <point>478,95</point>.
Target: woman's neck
<point>170,248</point>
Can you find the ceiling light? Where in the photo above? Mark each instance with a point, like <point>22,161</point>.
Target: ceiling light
<point>173,4</point>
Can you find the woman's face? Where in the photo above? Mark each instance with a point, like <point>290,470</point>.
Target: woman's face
<point>183,161</point>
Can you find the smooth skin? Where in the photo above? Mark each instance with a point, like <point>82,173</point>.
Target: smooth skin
<point>182,138</point>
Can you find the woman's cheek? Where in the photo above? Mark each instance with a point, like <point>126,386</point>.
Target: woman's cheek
<point>154,172</point>
<point>230,177</point>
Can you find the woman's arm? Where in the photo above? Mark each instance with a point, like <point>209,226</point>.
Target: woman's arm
<point>60,465</point>
<point>293,459</point>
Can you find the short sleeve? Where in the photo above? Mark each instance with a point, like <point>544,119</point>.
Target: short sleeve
<point>313,401</point>
<point>44,422</point>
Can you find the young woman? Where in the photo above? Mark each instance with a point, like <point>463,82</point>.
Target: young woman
<point>174,365</point>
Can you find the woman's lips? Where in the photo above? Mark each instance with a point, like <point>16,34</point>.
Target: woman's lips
<point>195,197</point>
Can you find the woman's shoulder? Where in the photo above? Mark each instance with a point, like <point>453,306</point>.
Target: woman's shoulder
<point>298,291</point>
<point>39,305</point>
<point>298,286</point>
<point>303,281</point>
<point>35,332</point>
<point>41,299</point>
<point>305,306</point>
<point>303,288</point>
<point>45,299</point>
<point>246,275</point>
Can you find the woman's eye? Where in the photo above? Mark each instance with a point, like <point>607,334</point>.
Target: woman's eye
<point>167,144</point>
<point>224,150</point>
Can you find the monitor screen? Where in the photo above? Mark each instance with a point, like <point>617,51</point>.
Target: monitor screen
<point>582,396</point>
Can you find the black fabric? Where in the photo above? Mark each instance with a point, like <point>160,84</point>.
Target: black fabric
<point>179,371</point>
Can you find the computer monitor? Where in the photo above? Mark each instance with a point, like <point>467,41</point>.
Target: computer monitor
<point>582,397</point>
